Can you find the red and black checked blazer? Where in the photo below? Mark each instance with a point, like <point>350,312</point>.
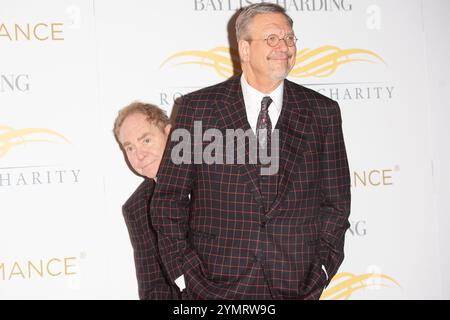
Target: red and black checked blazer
<point>210,218</point>
<point>153,282</point>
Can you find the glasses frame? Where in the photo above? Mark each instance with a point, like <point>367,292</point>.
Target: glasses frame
<point>266,39</point>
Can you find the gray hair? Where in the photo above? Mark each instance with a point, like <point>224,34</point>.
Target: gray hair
<point>248,13</point>
<point>155,116</point>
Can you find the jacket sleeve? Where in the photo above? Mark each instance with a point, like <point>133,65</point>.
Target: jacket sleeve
<point>151,278</point>
<point>335,195</point>
<point>171,199</point>
<point>334,208</point>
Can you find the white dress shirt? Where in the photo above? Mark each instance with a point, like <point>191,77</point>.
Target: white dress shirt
<point>252,101</point>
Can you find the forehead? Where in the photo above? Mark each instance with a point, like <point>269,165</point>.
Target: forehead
<point>135,119</point>
<point>133,125</point>
<point>270,22</point>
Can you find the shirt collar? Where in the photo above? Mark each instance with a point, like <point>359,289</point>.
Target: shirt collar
<point>256,96</point>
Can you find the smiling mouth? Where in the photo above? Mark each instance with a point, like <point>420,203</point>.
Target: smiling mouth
<point>279,58</point>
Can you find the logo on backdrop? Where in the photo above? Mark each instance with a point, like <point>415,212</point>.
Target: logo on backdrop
<point>40,31</point>
<point>358,228</point>
<point>14,83</point>
<point>42,268</point>
<point>376,178</point>
<point>318,63</point>
<point>289,5</point>
<point>35,175</point>
<point>11,138</point>
<point>20,176</point>
<point>345,284</point>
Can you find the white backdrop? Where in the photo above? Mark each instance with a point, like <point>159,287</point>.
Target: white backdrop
<point>67,67</point>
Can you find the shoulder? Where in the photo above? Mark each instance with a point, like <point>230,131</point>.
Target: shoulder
<point>305,97</point>
<point>140,196</point>
<point>217,92</point>
<point>202,103</point>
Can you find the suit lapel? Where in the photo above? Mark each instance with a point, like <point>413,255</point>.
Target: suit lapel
<point>150,185</point>
<point>232,115</point>
<point>293,122</point>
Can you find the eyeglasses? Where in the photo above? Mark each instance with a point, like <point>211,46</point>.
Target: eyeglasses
<point>273,40</point>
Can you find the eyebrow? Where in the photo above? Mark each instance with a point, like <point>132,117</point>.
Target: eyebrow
<point>144,135</point>
<point>126,143</point>
<point>276,33</point>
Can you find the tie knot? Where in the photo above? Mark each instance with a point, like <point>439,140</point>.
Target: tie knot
<point>266,101</point>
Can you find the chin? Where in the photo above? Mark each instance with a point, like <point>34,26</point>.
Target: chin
<point>150,175</point>
<point>277,76</point>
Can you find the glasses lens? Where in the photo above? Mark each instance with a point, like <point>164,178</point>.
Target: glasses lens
<point>272,40</point>
<point>290,41</point>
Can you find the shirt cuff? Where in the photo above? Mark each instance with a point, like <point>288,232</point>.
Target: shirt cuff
<point>325,270</point>
<point>180,282</point>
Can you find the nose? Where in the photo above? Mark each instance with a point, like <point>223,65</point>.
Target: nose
<point>282,45</point>
<point>140,154</point>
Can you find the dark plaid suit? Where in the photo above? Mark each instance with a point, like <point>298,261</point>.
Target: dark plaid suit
<point>228,239</point>
<point>153,282</point>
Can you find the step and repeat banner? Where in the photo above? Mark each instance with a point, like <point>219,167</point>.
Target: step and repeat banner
<point>67,67</point>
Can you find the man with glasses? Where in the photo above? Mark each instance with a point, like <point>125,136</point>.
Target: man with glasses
<point>232,231</point>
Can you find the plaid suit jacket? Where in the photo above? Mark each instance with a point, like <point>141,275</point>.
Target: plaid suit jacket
<point>153,282</point>
<point>211,222</point>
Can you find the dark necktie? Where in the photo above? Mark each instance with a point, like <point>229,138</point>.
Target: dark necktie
<point>264,125</point>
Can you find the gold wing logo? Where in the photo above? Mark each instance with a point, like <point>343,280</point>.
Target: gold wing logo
<point>220,59</point>
<point>343,285</point>
<point>320,62</point>
<point>10,137</point>
<point>324,61</point>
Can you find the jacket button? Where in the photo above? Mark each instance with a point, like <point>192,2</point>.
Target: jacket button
<point>259,256</point>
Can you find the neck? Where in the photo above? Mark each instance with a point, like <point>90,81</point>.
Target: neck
<point>264,86</point>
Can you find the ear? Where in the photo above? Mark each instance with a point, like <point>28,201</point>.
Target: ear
<point>167,129</point>
<point>244,50</point>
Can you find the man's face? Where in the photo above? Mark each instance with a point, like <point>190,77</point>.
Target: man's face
<point>143,143</point>
<point>264,63</point>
